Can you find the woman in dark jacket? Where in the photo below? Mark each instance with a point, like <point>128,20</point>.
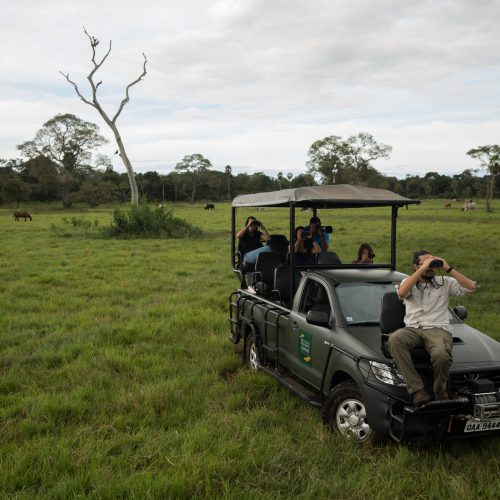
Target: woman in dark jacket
<point>251,239</point>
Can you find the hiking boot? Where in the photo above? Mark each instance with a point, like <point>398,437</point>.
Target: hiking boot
<point>421,397</point>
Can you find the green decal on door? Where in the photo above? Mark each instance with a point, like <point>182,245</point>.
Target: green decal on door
<point>305,348</point>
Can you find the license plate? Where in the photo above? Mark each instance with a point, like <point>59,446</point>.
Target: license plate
<point>482,425</point>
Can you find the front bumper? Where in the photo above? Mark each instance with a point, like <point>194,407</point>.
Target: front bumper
<point>440,421</point>
<point>466,415</point>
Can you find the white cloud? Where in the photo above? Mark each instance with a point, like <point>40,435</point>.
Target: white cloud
<point>253,83</point>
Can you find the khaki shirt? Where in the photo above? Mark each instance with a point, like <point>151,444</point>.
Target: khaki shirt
<point>427,303</point>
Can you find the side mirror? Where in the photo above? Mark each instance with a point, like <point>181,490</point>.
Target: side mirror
<point>461,312</point>
<point>319,318</point>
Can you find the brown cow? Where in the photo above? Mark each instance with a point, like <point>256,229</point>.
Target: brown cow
<point>23,213</point>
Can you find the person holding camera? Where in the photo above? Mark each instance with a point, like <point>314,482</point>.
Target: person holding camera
<point>318,233</point>
<point>427,322</point>
<point>305,247</point>
<point>365,254</point>
<point>250,244</point>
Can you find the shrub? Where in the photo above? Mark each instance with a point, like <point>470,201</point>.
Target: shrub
<point>149,222</point>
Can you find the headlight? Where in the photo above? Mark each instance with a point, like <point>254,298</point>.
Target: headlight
<point>387,374</point>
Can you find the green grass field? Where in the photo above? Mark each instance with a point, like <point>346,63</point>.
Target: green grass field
<point>117,378</point>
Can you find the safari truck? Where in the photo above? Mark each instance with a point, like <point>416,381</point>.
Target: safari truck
<point>321,330</point>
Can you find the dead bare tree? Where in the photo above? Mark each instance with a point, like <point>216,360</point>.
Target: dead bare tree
<point>94,42</point>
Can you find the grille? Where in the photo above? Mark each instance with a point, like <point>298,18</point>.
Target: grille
<point>462,379</point>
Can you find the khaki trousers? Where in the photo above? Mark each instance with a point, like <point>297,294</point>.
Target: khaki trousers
<point>436,341</point>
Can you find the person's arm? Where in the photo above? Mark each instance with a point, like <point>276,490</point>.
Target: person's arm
<point>405,288</point>
<point>316,248</point>
<point>298,242</point>
<point>461,278</point>
<point>243,230</point>
<point>324,244</point>
<point>264,234</point>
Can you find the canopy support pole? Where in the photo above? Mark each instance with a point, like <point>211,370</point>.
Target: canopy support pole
<point>233,237</point>
<point>292,252</point>
<point>394,219</point>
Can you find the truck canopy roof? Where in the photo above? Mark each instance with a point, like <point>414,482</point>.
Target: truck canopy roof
<point>330,196</point>
<point>362,275</point>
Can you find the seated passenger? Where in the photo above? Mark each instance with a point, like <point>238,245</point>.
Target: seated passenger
<point>318,233</point>
<point>305,247</point>
<point>251,240</point>
<point>365,254</point>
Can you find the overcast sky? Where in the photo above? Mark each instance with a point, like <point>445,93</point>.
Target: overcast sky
<point>253,83</point>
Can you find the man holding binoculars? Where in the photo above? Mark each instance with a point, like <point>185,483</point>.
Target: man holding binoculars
<point>427,322</point>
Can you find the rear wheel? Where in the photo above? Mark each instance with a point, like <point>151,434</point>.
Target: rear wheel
<point>345,413</point>
<point>252,353</point>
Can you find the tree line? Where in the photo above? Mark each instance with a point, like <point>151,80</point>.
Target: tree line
<point>62,163</point>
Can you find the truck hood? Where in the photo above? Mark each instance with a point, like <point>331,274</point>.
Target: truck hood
<point>469,344</point>
<point>363,341</point>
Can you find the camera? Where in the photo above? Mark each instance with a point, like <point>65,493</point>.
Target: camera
<point>436,263</point>
<point>371,255</point>
<point>257,223</point>
<point>306,234</point>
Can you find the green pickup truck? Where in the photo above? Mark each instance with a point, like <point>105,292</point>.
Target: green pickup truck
<point>321,331</point>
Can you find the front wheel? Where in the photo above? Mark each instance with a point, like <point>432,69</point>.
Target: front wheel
<point>345,413</point>
<point>252,353</point>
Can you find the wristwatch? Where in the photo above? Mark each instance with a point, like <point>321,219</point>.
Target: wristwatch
<point>450,269</point>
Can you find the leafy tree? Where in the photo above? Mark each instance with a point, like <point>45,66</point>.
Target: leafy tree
<point>69,142</point>
<point>96,191</point>
<point>12,186</point>
<point>440,184</point>
<point>339,161</point>
<point>327,158</point>
<point>195,166</point>
<point>489,158</point>
<point>111,122</point>
<point>364,149</point>
<point>41,175</point>
<point>303,180</point>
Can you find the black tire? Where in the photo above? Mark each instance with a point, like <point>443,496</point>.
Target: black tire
<point>345,413</point>
<point>252,358</point>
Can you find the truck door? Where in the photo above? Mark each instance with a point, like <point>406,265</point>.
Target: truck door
<point>307,349</point>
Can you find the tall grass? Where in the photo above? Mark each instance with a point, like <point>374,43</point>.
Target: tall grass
<point>117,378</point>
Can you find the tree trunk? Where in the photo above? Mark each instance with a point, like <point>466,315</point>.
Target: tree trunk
<point>66,198</point>
<point>126,162</point>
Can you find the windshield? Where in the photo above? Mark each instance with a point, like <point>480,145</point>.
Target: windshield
<point>361,302</point>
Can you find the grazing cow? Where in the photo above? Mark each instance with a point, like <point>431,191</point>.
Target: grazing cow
<point>209,206</point>
<point>469,206</point>
<point>23,213</point>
